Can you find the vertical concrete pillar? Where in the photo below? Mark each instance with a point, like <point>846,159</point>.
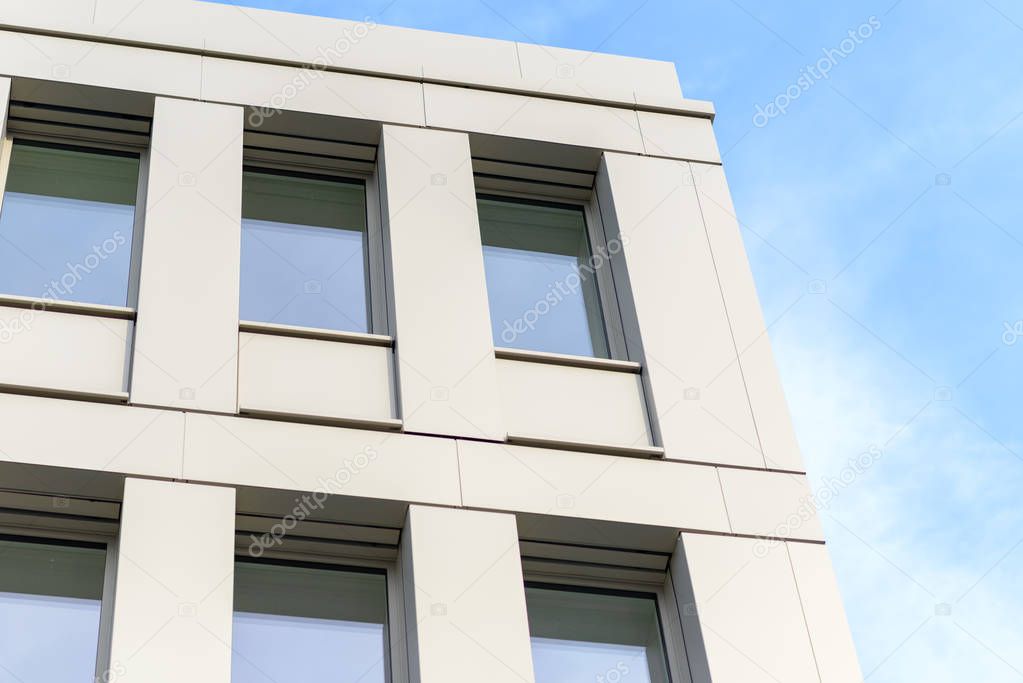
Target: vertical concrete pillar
<point>440,315</point>
<point>763,383</point>
<point>825,615</point>
<point>186,340</point>
<point>741,612</point>
<point>174,594</point>
<point>675,320</point>
<point>465,600</point>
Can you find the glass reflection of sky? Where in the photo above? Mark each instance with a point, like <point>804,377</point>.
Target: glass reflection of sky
<point>46,639</point>
<point>66,224</point>
<point>570,661</point>
<point>304,251</point>
<point>49,612</point>
<point>285,649</point>
<point>540,283</point>
<point>305,276</point>
<point>298,623</point>
<point>84,246</point>
<point>517,281</point>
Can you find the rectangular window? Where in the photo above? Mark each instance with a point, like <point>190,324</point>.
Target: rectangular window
<point>541,279</point>
<point>49,610</point>
<point>67,222</point>
<point>308,623</point>
<point>304,251</point>
<point>581,636</point>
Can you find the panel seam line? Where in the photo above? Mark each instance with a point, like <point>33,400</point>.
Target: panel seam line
<point>802,612</point>
<point>728,315</point>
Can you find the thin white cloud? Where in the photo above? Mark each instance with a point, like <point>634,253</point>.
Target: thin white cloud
<point>915,531</point>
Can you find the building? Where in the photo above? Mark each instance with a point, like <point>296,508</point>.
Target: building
<point>330,350</point>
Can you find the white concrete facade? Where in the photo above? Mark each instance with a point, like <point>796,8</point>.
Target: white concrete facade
<point>459,467</point>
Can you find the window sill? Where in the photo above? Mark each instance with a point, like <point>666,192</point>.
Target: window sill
<point>316,333</point>
<point>567,360</point>
<point>118,397</point>
<point>648,452</point>
<point>374,424</point>
<point>75,307</point>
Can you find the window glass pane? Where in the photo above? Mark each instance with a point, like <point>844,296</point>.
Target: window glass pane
<point>304,250</point>
<point>66,225</point>
<point>543,292</point>
<point>297,624</point>
<point>581,637</point>
<point>49,612</point>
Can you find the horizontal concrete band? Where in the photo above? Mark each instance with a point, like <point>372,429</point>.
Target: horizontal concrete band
<point>364,47</point>
<point>408,468</point>
<point>274,88</point>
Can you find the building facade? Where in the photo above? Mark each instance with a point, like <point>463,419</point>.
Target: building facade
<point>336,351</point>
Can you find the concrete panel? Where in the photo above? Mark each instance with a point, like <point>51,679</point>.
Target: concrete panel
<point>825,616</point>
<point>587,485</point>
<point>175,583</point>
<point>270,87</point>
<point>748,611</point>
<point>338,43</point>
<point>445,351</point>
<point>92,63</point>
<point>675,319</point>
<point>63,351</point>
<point>173,23</point>
<point>775,504</point>
<point>329,379</point>
<point>679,137</point>
<point>767,398</point>
<point>360,46</point>
<point>298,457</point>
<point>595,75</point>
<point>186,343</point>
<point>535,118</point>
<point>584,405</point>
<point>465,602</point>
<point>464,59</point>
<point>68,14</point>
<point>164,22</point>
<point>91,436</point>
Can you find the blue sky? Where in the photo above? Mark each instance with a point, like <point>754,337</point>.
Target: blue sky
<point>885,236</point>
